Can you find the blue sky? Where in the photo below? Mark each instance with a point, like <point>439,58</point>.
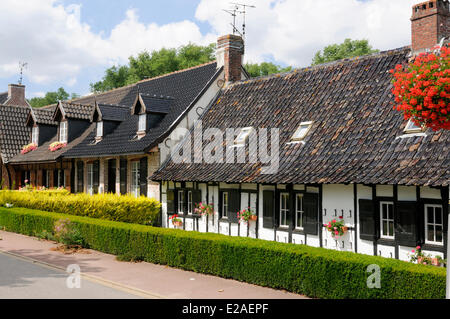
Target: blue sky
<point>69,43</point>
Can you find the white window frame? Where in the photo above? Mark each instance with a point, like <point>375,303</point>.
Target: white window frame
<point>63,129</point>
<point>304,129</point>
<point>180,201</point>
<point>142,126</point>
<point>242,136</point>
<point>135,178</point>
<point>100,129</point>
<point>284,200</point>
<point>412,128</point>
<point>434,242</point>
<point>299,213</point>
<point>35,135</point>
<point>225,204</point>
<point>190,204</point>
<point>90,178</point>
<point>390,219</point>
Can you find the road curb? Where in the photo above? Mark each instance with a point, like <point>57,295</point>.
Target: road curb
<point>95,279</point>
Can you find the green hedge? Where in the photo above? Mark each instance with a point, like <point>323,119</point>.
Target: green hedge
<point>126,209</point>
<point>314,272</point>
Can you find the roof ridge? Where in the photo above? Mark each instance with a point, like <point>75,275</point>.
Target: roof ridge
<point>147,80</point>
<point>320,66</point>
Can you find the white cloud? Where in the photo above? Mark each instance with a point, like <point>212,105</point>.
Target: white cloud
<point>58,46</point>
<point>292,31</point>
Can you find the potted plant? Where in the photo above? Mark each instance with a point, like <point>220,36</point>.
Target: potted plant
<point>204,209</point>
<point>176,221</point>
<point>337,228</point>
<point>246,215</point>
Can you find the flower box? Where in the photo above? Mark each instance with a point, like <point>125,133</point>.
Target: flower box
<point>28,148</point>
<point>56,146</point>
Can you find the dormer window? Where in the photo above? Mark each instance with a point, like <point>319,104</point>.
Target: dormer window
<point>242,136</point>
<point>411,128</point>
<point>99,130</point>
<point>35,135</point>
<point>63,128</point>
<point>302,131</point>
<point>142,123</point>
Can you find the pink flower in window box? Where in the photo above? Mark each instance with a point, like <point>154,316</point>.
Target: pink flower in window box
<point>28,148</point>
<point>56,146</point>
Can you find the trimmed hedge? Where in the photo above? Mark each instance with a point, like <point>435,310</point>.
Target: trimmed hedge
<point>126,209</point>
<point>314,272</point>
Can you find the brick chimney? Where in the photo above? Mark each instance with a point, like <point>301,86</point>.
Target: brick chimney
<point>16,95</point>
<point>430,23</point>
<point>230,54</point>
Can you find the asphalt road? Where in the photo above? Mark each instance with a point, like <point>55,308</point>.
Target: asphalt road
<point>23,279</point>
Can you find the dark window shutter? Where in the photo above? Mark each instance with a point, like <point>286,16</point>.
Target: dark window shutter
<point>185,203</point>
<point>112,176</point>
<point>171,202</point>
<point>80,177</point>
<point>233,205</point>
<point>96,176</point>
<point>55,178</point>
<point>61,178</point>
<point>367,220</point>
<point>123,176</point>
<point>268,209</point>
<point>276,220</point>
<point>406,223</point>
<point>311,211</point>
<point>143,176</point>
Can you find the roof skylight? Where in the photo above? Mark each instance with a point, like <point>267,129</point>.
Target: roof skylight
<point>243,134</point>
<point>302,131</point>
<point>411,127</point>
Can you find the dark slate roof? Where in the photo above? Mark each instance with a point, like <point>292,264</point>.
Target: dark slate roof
<point>114,113</point>
<point>3,97</point>
<point>184,86</point>
<point>77,111</point>
<point>157,104</point>
<point>14,134</point>
<point>353,138</point>
<point>44,116</point>
<point>43,154</point>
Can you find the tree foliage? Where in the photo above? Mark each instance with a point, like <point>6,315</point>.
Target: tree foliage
<point>52,98</point>
<point>348,49</point>
<point>151,64</point>
<point>265,68</point>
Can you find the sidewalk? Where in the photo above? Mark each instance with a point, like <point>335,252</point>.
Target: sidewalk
<point>142,279</point>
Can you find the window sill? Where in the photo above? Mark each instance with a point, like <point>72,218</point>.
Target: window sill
<point>386,242</point>
<point>434,247</point>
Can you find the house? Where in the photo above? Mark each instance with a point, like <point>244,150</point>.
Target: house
<point>14,134</point>
<point>112,142</point>
<point>316,145</point>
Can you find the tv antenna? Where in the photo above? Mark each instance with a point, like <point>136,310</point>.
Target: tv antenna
<point>239,8</point>
<point>22,66</point>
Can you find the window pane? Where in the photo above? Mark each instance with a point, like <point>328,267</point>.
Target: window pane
<point>430,236</point>
<point>438,215</point>
<point>439,234</point>
<point>385,214</point>
<point>391,229</point>
<point>385,228</point>
<point>430,213</point>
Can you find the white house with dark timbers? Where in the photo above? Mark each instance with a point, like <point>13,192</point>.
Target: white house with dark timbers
<point>343,152</point>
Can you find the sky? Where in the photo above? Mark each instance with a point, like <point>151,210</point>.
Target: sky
<point>70,43</point>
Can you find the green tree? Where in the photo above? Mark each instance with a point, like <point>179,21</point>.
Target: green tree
<point>265,68</point>
<point>52,98</point>
<point>148,65</point>
<point>348,49</point>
